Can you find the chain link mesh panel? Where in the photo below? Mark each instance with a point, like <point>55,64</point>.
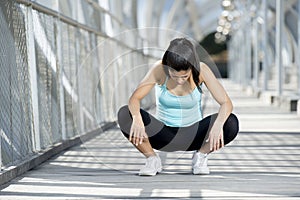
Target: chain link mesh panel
<point>47,78</point>
<point>15,103</point>
<point>69,70</point>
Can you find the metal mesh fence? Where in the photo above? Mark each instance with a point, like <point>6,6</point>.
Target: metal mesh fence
<point>82,78</point>
<point>15,100</point>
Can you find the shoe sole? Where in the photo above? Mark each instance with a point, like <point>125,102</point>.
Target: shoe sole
<point>151,174</point>
<point>201,172</point>
<point>145,174</point>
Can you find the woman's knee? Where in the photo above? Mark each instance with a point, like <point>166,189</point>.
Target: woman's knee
<point>124,118</point>
<point>231,128</point>
<point>123,113</point>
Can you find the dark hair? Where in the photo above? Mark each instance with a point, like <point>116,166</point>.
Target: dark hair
<point>181,55</point>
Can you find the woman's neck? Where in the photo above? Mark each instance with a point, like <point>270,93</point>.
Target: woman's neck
<point>189,85</point>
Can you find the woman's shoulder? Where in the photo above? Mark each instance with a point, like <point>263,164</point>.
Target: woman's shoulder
<point>158,71</point>
<point>203,70</point>
<point>203,66</point>
<point>157,65</point>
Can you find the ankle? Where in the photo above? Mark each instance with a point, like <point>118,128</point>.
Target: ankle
<point>203,152</point>
<point>148,155</point>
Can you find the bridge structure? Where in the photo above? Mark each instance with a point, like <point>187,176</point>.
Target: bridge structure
<point>66,67</point>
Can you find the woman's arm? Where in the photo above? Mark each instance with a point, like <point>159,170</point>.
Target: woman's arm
<point>219,94</point>
<point>154,75</point>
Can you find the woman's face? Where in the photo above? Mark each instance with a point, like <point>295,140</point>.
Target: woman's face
<point>180,77</point>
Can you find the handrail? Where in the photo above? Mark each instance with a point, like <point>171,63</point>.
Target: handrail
<point>60,16</point>
<point>75,23</point>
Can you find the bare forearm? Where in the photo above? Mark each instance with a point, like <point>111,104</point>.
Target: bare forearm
<point>224,112</point>
<point>134,106</point>
<point>216,139</point>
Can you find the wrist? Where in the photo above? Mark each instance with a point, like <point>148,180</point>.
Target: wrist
<point>136,116</point>
<point>218,123</point>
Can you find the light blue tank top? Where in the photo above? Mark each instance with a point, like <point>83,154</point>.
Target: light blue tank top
<point>177,111</point>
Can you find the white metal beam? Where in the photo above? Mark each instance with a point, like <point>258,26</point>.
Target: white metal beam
<point>278,58</point>
<point>33,80</point>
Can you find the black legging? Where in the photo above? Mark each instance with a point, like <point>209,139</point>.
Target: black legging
<point>166,138</point>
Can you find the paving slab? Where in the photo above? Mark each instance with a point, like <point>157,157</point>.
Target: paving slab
<point>262,163</point>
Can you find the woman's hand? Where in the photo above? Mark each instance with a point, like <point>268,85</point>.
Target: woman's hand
<point>137,130</point>
<point>216,139</point>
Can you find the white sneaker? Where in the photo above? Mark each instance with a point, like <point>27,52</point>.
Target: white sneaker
<point>200,163</point>
<point>152,166</point>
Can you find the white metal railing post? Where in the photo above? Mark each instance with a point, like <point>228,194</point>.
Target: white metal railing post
<point>279,28</point>
<point>243,63</point>
<point>265,42</point>
<point>1,164</point>
<point>60,79</point>
<point>33,79</point>
<point>249,48</point>
<point>116,79</point>
<point>233,71</point>
<point>240,52</point>
<point>255,50</point>
<point>79,111</point>
<point>99,103</point>
<point>242,57</point>
<point>79,80</point>
<point>247,58</point>
<point>298,78</point>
